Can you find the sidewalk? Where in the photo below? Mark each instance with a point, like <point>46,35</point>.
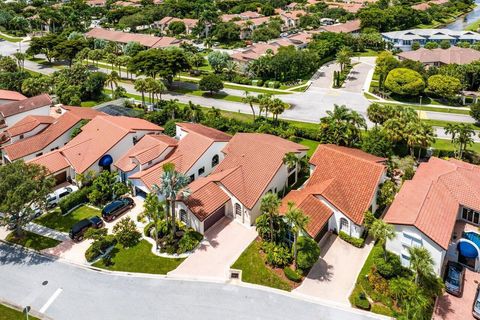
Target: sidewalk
<point>46,232</point>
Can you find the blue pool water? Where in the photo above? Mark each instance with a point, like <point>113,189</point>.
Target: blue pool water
<point>472,236</point>
<point>467,249</point>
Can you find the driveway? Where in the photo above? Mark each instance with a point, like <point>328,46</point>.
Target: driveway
<point>223,244</point>
<point>323,78</point>
<point>334,274</point>
<point>359,73</point>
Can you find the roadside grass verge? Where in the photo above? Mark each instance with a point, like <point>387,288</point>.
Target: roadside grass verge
<point>138,259</point>
<point>10,38</point>
<point>442,123</point>
<point>32,241</point>
<point>55,219</point>
<point>8,313</point>
<point>255,271</point>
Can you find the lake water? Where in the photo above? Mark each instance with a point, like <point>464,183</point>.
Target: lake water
<point>462,22</point>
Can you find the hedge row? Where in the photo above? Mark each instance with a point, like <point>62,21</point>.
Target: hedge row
<point>356,242</point>
<point>74,199</point>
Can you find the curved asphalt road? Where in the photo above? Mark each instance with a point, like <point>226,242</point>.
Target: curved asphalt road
<point>74,292</point>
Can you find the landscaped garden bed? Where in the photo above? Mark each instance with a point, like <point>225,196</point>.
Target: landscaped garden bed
<point>33,241</point>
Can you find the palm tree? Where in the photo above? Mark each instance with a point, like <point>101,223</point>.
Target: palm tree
<point>277,107</point>
<point>140,85</point>
<point>112,79</point>
<point>153,210</point>
<point>462,136</point>
<point>375,113</point>
<point>265,101</point>
<point>151,84</point>
<point>427,137</point>
<point>299,221</point>
<point>112,59</point>
<point>269,205</point>
<point>343,57</point>
<point>230,69</point>
<point>20,57</point>
<point>173,184</point>
<point>382,231</point>
<point>159,88</point>
<point>250,100</point>
<point>421,262</point>
<point>291,161</point>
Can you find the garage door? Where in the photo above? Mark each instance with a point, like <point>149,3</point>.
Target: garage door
<point>61,177</point>
<point>217,215</point>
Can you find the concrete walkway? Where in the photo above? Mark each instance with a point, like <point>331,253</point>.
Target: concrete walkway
<point>335,273</point>
<point>223,244</point>
<point>46,232</point>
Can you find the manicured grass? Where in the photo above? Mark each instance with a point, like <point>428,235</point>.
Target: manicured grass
<point>55,220</point>
<point>311,144</point>
<point>89,104</point>
<point>139,259</point>
<point>254,89</point>
<point>369,96</point>
<point>7,313</point>
<point>474,26</point>
<point>255,271</point>
<point>33,241</point>
<point>199,93</point>
<point>10,38</point>
<point>434,109</point>
<point>442,123</point>
<point>447,145</point>
<point>366,53</point>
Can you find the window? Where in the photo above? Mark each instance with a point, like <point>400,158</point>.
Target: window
<point>38,154</point>
<point>192,177</point>
<point>183,216</point>
<point>410,240</point>
<point>150,163</point>
<point>215,160</point>
<point>238,210</point>
<point>56,148</point>
<point>201,171</point>
<point>471,216</point>
<point>20,137</point>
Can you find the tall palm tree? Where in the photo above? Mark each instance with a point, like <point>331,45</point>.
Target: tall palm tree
<point>269,205</point>
<point>375,113</point>
<point>427,137</point>
<point>140,85</point>
<point>291,160</point>
<point>343,57</point>
<point>173,184</point>
<point>277,107</point>
<point>265,101</point>
<point>153,210</point>
<point>112,80</point>
<point>231,68</point>
<point>299,221</point>
<point>159,88</point>
<point>382,231</point>
<point>20,57</point>
<point>421,262</point>
<point>250,100</point>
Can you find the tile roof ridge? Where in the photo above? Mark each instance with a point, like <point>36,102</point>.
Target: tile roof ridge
<point>339,149</point>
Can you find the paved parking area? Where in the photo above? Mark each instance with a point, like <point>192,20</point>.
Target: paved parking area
<point>449,307</point>
<point>223,244</point>
<point>358,75</point>
<point>335,273</point>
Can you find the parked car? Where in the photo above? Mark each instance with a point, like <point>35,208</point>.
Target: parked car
<point>116,208</point>
<point>454,277</point>
<point>54,197</point>
<point>78,229</point>
<point>476,304</point>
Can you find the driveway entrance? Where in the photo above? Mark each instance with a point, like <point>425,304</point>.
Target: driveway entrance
<point>223,244</point>
<point>335,273</point>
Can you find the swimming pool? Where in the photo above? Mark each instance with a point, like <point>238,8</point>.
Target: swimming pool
<point>472,236</point>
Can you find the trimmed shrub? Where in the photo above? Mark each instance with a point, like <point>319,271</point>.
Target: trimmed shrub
<point>99,247</point>
<point>277,255</point>
<point>74,199</point>
<point>356,242</point>
<point>292,274</point>
<point>390,268</point>
<point>381,309</point>
<point>308,253</point>
<point>126,232</point>
<point>189,241</point>
<point>170,127</point>
<point>147,231</point>
<point>361,302</point>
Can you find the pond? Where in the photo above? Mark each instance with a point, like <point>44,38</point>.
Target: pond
<point>462,22</point>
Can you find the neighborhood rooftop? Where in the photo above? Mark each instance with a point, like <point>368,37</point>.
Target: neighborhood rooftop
<point>16,107</point>
<point>446,56</point>
<point>126,37</point>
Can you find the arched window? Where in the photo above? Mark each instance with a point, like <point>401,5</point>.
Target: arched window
<point>344,225</point>
<point>238,209</point>
<point>183,216</point>
<point>215,160</point>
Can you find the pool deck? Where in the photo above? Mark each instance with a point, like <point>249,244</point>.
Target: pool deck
<point>461,227</point>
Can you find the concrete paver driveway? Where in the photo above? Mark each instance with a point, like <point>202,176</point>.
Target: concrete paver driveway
<point>335,273</point>
<point>223,244</point>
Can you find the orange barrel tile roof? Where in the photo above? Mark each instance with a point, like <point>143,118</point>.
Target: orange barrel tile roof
<point>16,107</point>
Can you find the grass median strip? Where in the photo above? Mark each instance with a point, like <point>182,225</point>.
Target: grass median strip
<point>8,313</point>
<point>32,240</point>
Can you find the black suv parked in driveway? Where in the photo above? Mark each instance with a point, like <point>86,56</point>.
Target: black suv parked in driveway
<point>79,228</point>
<point>116,208</point>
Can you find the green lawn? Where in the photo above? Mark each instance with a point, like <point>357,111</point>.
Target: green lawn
<point>434,109</point>
<point>7,313</point>
<point>311,144</point>
<point>10,38</point>
<point>369,96</point>
<point>366,53</point>
<point>55,220</point>
<point>139,259</point>
<point>200,93</point>
<point>33,241</point>
<point>474,26</point>
<point>255,271</point>
<point>442,123</point>
<point>447,145</point>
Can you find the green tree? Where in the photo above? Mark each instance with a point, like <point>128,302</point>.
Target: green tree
<point>36,85</point>
<point>298,222</point>
<point>23,188</point>
<point>211,83</point>
<point>404,81</point>
<point>8,64</point>
<point>475,111</point>
<point>112,80</point>
<point>218,60</point>
<point>421,262</point>
<point>386,194</point>
<point>132,48</point>
<point>251,100</point>
<point>231,69</point>
<point>377,142</point>
<point>44,45</point>
<point>173,185</point>
<point>106,187</point>
<point>445,44</point>
<point>342,126</point>
<point>68,50</point>
<point>177,27</point>
<point>343,57</point>
<point>227,32</point>
<point>462,137</point>
<point>140,85</point>
<point>153,210</point>
<point>269,206</point>
<point>382,231</point>
<point>385,63</point>
<point>444,86</point>
<point>375,113</point>
<point>197,60</point>
<point>277,107</point>
<point>126,232</point>
<point>431,45</point>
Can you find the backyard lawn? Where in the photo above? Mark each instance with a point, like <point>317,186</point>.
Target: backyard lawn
<point>255,271</point>
<point>139,259</point>
<point>7,313</point>
<point>311,144</point>
<point>33,241</point>
<point>55,220</point>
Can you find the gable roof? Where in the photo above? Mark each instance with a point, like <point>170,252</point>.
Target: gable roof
<point>11,95</point>
<point>126,37</point>
<point>347,178</point>
<point>53,161</point>
<point>347,27</point>
<point>205,131</point>
<point>37,142</point>
<point>147,149</point>
<point>431,200</point>
<point>447,56</point>
<point>251,161</point>
<point>28,124</point>
<point>16,107</point>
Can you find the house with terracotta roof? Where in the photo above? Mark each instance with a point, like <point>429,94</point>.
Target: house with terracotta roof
<point>439,209</point>
<point>7,96</point>
<point>290,18</point>
<point>343,185</point>
<point>195,152</point>
<point>438,57</point>
<point>252,166</point>
<point>29,141</point>
<point>101,142</point>
<point>123,38</point>
<point>27,127</point>
<point>12,112</point>
<point>166,21</point>
<point>352,26</point>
